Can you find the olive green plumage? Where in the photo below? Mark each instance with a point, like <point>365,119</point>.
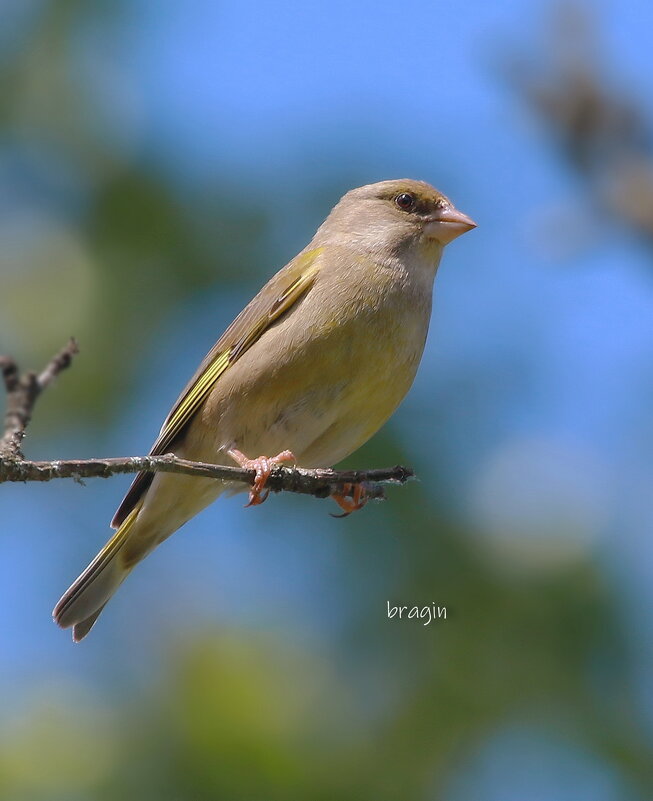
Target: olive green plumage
<point>316,363</point>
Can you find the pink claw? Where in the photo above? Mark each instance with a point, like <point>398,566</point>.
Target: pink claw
<point>351,504</point>
<point>263,466</point>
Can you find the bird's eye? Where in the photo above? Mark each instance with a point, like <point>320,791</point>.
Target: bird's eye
<point>405,201</point>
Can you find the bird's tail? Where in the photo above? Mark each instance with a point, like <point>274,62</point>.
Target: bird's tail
<point>87,596</point>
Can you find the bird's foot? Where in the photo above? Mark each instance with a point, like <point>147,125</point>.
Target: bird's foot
<point>350,501</point>
<point>263,466</point>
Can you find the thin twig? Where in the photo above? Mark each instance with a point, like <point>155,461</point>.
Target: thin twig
<point>22,392</point>
<point>319,482</point>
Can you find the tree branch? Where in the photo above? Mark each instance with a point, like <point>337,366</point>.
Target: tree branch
<point>22,392</point>
<point>319,482</point>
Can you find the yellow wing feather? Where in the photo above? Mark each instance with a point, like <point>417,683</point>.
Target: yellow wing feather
<point>275,299</point>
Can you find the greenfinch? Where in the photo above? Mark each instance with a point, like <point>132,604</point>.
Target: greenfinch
<point>308,371</point>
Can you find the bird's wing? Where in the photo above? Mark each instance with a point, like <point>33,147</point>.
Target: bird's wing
<point>280,293</point>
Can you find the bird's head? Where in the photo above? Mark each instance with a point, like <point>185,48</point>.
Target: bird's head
<point>395,215</point>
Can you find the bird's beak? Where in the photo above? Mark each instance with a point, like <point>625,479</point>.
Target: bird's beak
<point>448,223</point>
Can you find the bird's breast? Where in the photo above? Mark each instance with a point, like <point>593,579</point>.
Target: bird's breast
<point>325,377</point>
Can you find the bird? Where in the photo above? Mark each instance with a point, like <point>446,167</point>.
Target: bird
<point>311,368</point>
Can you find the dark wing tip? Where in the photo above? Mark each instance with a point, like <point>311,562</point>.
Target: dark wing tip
<point>133,496</point>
